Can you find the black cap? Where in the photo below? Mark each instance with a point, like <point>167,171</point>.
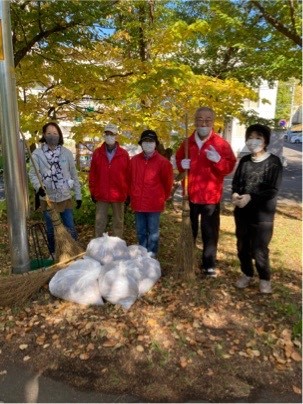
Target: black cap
<point>149,134</point>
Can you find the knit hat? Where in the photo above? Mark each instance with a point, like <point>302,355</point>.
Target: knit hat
<point>111,128</point>
<point>149,134</point>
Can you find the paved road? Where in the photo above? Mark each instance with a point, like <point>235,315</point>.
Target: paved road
<point>291,187</point>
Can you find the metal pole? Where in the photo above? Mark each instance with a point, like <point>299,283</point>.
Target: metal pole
<point>292,95</point>
<point>16,189</point>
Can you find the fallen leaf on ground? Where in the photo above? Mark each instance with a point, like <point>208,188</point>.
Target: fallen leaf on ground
<point>84,356</point>
<point>297,390</point>
<point>296,356</point>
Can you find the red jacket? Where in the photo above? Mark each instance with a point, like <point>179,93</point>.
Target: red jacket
<point>151,182</point>
<point>205,178</point>
<point>109,181</point>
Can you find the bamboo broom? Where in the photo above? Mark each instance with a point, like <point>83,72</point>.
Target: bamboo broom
<point>185,254</point>
<point>16,289</point>
<point>65,246</point>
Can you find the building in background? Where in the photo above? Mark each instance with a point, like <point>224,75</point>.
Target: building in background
<point>234,132</point>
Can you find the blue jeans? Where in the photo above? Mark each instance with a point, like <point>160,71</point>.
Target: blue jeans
<point>147,227</point>
<point>68,221</point>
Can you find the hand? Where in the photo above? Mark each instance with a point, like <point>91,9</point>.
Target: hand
<point>93,199</point>
<point>185,164</point>
<point>243,200</point>
<point>79,203</point>
<point>212,154</point>
<point>41,192</point>
<point>235,198</point>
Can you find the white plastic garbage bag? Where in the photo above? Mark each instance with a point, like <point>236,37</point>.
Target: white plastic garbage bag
<point>78,282</point>
<point>136,250</point>
<point>147,272</point>
<point>118,287</point>
<point>107,248</point>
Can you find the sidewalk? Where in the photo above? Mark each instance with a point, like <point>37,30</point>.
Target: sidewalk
<point>20,385</point>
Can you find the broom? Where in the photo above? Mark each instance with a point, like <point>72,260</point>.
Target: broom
<point>65,246</point>
<point>16,289</point>
<point>185,254</point>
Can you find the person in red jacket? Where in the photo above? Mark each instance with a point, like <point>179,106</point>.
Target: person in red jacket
<point>151,180</point>
<point>109,182</point>
<point>210,159</point>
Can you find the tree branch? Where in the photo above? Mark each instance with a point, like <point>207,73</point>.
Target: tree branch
<point>41,35</point>
<point>293,36</point>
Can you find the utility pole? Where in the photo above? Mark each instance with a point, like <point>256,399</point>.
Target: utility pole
<point>16,189</point>
<point>292,99</point>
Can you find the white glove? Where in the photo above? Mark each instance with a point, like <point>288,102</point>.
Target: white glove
<point>185,164</point>
<point>212,154</point>
<point>235,198</point>
<point>70,183</point>
<point>243,200</point>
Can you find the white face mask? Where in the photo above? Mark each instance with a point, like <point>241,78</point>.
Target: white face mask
<point>148,147</point>
<point>255,145</point>
<point>203,131</point>
<point>110,140</point>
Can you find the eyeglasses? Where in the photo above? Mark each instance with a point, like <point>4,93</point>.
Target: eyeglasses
<point>206,121</point>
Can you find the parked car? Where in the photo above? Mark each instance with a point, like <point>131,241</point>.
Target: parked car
<point>292,133</point>
<point>296,139</point>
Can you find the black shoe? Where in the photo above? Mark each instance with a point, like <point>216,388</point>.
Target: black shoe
<point>210,272</point>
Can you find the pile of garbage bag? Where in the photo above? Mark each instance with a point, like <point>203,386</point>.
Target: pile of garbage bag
<point>110,271</point>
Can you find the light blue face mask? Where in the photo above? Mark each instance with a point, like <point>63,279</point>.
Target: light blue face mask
<point>254,145</point>
<point>203,131</point>
<point>148,147</point>
<point>110,140</point>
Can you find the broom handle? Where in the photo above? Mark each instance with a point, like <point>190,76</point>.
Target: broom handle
<point>32,160</point>
<point>186,156</point>
<point>36,169</point>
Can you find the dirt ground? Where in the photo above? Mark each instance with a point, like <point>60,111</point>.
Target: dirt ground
<point>179,342</point>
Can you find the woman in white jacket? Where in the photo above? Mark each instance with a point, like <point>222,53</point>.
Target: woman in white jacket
<point>57,170</point>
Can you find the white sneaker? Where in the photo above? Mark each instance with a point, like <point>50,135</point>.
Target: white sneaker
<point>210,272</point>
<point>243,282</point>
<point>265,286</point>
<point>152,255</point>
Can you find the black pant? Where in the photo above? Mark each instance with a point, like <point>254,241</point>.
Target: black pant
<point>252,243</point>
<point>210,224</point>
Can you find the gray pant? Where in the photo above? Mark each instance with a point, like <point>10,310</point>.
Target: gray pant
<point>102,218</point>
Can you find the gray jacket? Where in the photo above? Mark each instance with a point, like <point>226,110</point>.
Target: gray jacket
<point>69,171</point>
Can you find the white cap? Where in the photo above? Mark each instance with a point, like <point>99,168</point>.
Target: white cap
<point>111,128</point>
